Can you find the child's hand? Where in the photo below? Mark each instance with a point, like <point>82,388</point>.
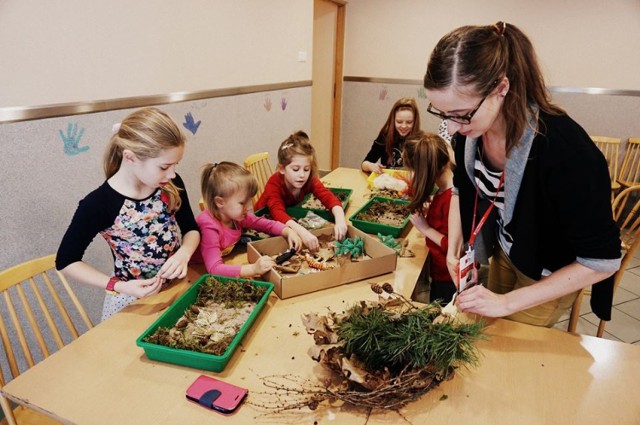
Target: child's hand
<point>420,222</point>
<point>140,288</point>
<point>175,267</point>
<point>263,265</point>
<point>293,239</point>
<point>340,230</point>
<point>377,168</point>
<point>310,241</point>
<point>373,167</point>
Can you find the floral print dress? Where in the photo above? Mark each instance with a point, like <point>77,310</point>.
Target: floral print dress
<point>141,233</point>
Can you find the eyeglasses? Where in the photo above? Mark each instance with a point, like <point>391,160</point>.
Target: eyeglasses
<point>461,119</point>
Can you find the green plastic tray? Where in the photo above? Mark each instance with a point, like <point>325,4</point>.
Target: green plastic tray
<point>193,358</point>
<point>375,228</point>
<point>297,211</point>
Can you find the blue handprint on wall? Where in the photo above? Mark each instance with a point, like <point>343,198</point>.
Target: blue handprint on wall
<point>190,124</point>
<point>71,140</point>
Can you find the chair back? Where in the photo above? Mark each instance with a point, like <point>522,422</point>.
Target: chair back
<point>41,309</point>
<point>630,169</point>
<point>610,148</point>
<point>626,213</point>
<point>258,165</point>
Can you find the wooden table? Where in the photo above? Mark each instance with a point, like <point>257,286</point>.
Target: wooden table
<point>527,375</point>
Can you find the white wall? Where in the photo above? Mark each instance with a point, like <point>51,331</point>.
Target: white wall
<point>581,43</point>
<point>83,50</point>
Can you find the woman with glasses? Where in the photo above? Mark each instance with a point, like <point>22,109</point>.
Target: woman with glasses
<point>386,150</point>
<point>533,189</point>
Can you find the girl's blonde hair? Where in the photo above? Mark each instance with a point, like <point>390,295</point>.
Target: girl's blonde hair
<point>427,156</point>
<point>389,131</point>
<point>223,180</point>
<point>297,144</point>
<point>145,132</point>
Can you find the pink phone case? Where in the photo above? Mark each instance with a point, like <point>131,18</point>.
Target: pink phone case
<point>215,394</point>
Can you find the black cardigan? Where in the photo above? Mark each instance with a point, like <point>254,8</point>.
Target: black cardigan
<point>563,207</point>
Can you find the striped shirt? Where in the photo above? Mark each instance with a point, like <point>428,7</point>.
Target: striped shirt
<point>488,183</point>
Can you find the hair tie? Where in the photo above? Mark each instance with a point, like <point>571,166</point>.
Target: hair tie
<point>500,27</point>
<point>116,127</point>
<point>288,145</point>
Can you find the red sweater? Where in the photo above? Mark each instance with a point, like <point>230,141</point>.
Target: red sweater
<point>277,197</point>
<point>438,218</point>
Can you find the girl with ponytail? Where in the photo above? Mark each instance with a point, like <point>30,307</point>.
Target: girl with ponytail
<point>141,210</point>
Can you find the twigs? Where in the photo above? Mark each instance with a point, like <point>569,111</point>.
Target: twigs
<point>379,355</point>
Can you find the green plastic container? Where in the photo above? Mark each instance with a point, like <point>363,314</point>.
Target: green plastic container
<point>193,358</point>
<point>375,228</point>
<point>297,211</point>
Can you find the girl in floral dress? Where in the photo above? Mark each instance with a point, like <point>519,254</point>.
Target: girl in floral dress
<point>140,210</point>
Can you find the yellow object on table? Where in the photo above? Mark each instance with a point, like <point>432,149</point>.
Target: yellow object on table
<point>399,174</point>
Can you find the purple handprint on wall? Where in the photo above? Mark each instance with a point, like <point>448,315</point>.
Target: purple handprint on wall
<point>283,103</point>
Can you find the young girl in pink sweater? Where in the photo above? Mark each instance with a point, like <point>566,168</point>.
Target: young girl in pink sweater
<point>227,189</point>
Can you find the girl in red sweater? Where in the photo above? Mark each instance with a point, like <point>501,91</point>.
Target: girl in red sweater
<point>296,176</point>
<point>427,157</point>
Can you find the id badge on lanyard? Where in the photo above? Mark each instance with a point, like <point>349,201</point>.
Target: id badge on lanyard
<point>466,276</point>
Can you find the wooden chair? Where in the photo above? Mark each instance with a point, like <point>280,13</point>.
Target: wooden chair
<point>610,147</point>
<point>40,304</point>
<point>630,170</point>
<point>258,164</point>
<point>626,212</point>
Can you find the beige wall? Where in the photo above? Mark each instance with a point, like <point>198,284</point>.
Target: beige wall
<point>78,50</point>
<point>581,43</point>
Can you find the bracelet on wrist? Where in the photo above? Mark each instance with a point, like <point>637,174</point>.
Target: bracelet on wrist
<point>111,285</point>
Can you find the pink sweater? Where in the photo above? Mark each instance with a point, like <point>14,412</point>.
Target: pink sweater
<point>217,240</point>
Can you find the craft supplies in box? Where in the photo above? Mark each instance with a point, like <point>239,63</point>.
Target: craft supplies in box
<point>379,259</point>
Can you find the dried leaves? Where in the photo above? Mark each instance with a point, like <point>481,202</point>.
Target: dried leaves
<point>385,212</point>
<point>381,355</point>
<point>210,324</point>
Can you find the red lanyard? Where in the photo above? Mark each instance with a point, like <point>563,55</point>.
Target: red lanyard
<point>484,218</point>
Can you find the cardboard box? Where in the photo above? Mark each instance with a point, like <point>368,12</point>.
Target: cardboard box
<point>383,260</point>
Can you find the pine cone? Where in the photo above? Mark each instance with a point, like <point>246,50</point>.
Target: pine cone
<point>387,288</point>
<point>376,288</point>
